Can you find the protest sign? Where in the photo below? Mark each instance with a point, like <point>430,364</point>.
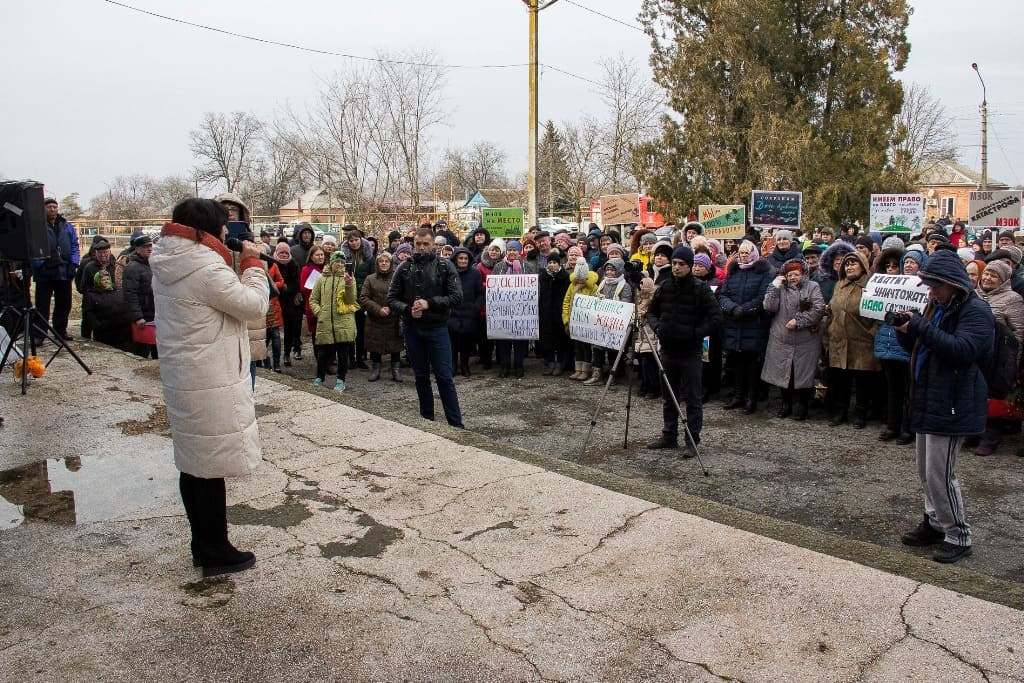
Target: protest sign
<point>602,322</point>
<point>512,307</point>
<point>885,293</point>
<point>775,209</point>
<point>310,282</point>
<point>503,223</point>
<point>995,209</point>
<point>897,213</point>
<point>620,209</point>
<point>723,221</point>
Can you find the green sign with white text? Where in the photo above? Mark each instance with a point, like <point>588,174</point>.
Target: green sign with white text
<point>503,223</point>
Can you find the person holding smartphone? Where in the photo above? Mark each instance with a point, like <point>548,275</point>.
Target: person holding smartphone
<point>238,224</point>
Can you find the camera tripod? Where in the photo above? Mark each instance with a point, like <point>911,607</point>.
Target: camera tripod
<point>639,332</point>
<point>28,323</point>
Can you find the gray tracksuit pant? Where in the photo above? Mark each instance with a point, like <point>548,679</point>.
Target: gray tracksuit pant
<point>943,503</point>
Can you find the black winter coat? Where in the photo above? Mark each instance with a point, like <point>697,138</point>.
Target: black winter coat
<point>777,260</point>
<point>744,290</point>
<point>682,312</point>
<point>551,295</point>
<point>138,289</point>
<point>105,314</point>
<point>428,277</point>
<point>464,317</point>
<point>950,396</point>
<point>290,274</point>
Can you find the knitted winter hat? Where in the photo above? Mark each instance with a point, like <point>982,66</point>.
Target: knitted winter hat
<point>1001,269</point>
<point>784,235</point>
<point>614,248</point>
<point>892,242</point>
<point>499,243</point>
<point>574,250</point>
<point>683,253</point>
<point>702,260</point>
<point>514,244</point>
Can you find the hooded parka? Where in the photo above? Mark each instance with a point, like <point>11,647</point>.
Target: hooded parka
<point>333,302</point>
<point>202,307</point>
<point>851,336</point>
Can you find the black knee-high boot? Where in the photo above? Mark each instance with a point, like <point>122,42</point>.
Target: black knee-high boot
<point>189,488</point>
<point>216,555</point>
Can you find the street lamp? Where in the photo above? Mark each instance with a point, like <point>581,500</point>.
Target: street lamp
<point>984,130</point>
<point>534,6</point>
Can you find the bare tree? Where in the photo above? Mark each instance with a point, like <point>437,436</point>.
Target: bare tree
<point>923,136</point>
<point>412,86</point>
<point>467,170</point>
<point>164,193</point>
<point>275,178</point>
<point>633,107</point>
<point>128,197</point>
<point>227,147</point>
<point>583,144</point>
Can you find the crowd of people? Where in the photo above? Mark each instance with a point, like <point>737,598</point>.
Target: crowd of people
<point>730,319</point>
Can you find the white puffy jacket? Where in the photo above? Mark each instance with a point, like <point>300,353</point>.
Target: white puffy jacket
<point>202,307</point>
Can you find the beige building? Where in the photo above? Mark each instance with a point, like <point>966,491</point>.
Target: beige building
<point>946,187</point>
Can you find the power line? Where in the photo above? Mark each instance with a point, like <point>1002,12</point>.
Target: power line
<point>617,21</point>
<point>1005,157</point>
<point>267,41</point>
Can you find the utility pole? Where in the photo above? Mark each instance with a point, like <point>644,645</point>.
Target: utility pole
<point>984,130</point>
<point>534,6</point>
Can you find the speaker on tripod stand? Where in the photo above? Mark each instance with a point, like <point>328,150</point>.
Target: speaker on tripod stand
<point>22,221</point>
<point>23,238</point>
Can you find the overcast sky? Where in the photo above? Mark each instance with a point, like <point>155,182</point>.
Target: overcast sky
<point>94,90</point>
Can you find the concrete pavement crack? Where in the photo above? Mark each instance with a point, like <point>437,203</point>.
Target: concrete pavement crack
<point>626,525</point>
<point>955,655</point>
<point>866,666</point>
<point>466,492</point>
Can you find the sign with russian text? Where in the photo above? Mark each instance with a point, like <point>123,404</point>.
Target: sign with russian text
<point>775,209</point>
<point>723,221</point>
<point>503,223</point>
<point>995,209</point>
<point>885,293</point>
<point>601,322</point>
<point>513,310</point>
<point>897,212</point>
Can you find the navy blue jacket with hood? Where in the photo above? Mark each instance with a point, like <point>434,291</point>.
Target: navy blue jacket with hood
<point>950,396</point>
<point>744,289</point>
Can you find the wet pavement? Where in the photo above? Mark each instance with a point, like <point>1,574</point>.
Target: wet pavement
<point>393,549</point>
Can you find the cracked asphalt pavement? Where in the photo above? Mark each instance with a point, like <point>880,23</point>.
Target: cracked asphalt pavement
<point>393,549</point>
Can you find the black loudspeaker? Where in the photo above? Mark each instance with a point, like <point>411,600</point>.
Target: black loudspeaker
<point>22,221</point>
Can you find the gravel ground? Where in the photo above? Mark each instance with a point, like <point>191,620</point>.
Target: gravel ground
<point>837,480</point>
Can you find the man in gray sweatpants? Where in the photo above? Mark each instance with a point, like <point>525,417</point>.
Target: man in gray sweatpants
<point>950,397</point>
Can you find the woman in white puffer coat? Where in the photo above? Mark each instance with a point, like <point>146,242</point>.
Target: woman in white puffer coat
<point>202,307</point>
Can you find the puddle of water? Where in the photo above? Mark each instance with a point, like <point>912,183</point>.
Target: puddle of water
<point>82,490</point>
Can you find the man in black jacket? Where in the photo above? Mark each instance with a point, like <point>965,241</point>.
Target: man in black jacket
<point>423,291</point>
<point>138,291</point>
<point>682,312</point>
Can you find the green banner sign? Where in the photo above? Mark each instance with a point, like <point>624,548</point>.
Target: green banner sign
<point>503,223</point>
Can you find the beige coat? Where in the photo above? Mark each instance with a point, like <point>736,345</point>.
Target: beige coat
<point>201,311</point>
